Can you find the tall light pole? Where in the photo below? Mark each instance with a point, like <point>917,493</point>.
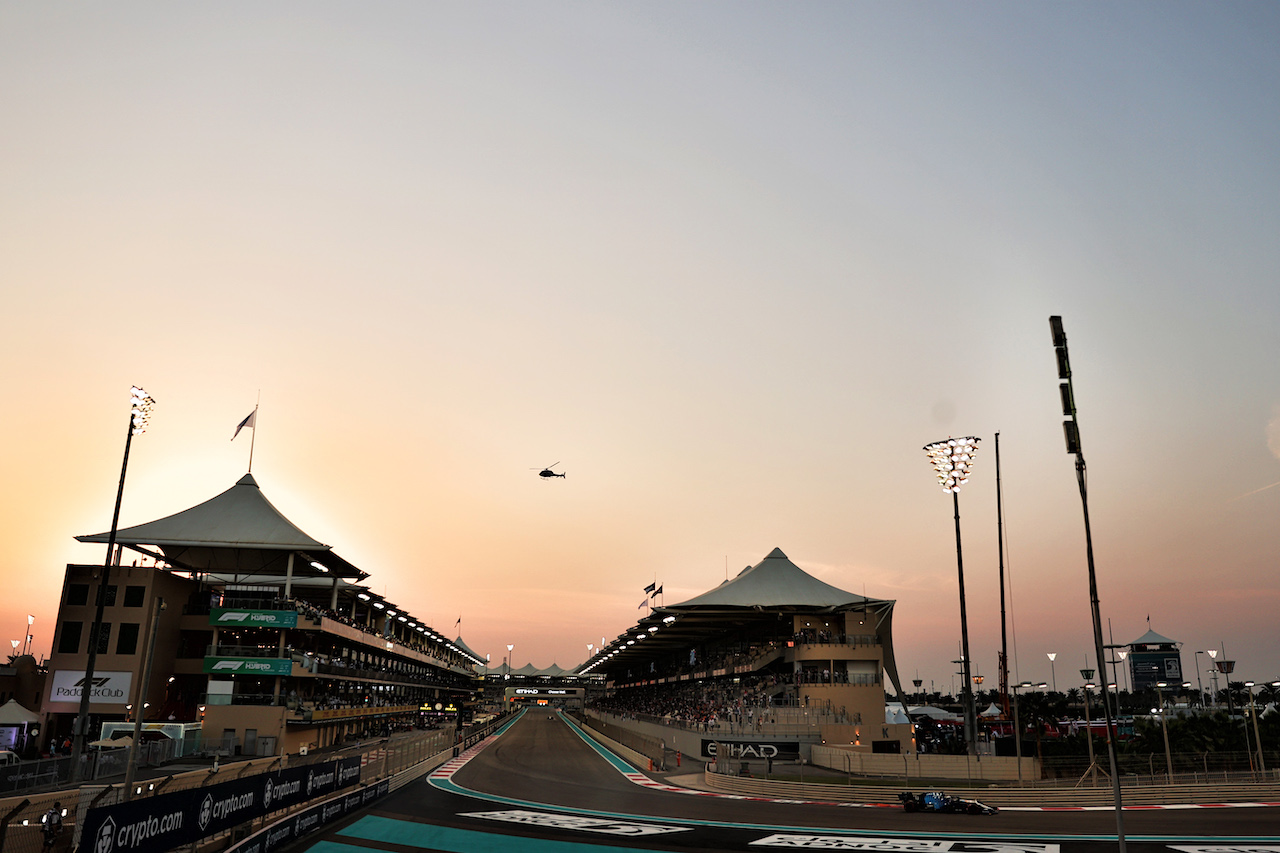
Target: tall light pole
<point>1213,656</point>
<point>141,702</point>
<point>141,406</point>
<point>1053,656</point>
<point>1164,725</point>
<point>1017,732</point>
<point>1004,632</point>
<point>27,647</point>
<point>1071,432</point>
<point>1087,675</point>
<point>952,459</point>
<point>1199,683</point>
<point>1257,738</point>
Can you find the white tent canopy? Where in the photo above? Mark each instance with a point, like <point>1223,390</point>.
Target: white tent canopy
<point>13,714</point>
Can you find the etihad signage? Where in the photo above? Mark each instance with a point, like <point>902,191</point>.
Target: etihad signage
<point>785,750</point>
<point>225,617</point>
<point>215,665</point>
<point>109,688</point>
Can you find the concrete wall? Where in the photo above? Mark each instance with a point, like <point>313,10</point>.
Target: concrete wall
<point>859,762</point>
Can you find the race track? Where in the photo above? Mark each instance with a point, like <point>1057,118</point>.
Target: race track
<point>540,785</point>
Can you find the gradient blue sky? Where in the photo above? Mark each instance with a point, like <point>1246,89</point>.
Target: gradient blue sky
<point>730,264</point>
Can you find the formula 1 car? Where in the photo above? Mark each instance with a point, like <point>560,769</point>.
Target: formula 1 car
<point>936,801</point>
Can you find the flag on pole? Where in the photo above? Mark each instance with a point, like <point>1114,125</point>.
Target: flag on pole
<point>247,422</point>
<point>650,588</point>
<point>657,592</point>
<point>458,623</point>
<point>643,602</point>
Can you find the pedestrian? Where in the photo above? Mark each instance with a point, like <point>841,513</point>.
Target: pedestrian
<point>52,825</point>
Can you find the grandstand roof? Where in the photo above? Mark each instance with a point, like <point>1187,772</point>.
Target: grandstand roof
<point>1151,638</point>
<point>773,582</point>
<point>773,588</point>
<point>238,532</point>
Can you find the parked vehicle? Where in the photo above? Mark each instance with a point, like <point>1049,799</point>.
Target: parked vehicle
<point>936,801</point>
<point>7,758</point>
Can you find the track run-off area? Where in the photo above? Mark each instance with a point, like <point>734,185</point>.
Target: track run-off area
<point>540,784</point>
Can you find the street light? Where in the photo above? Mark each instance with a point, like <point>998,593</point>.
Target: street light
<point>952,459</point>
<point>1199,683</point>
<point>1071,432</point>
<point>1257,738</point>
<point>140,408</point>
<point>1164,725</point>
<point>1053,656</point>
<point>1017,732</point>
<point>1087,675</point>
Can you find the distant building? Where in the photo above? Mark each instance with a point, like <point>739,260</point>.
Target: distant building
<point>1154,658</point>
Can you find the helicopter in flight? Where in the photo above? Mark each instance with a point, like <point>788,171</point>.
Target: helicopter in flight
<point>547,472</point>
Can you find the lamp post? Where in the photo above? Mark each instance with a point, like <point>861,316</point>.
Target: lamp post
<point>1017,731</point>
<point>27,646</point>
<point>1071,432</point>
<point>952,459</point>
<point>1164,726</point>
<point>1199,683</point>
<point>1053,656</point>
<point>1213,656</point>
<point>141,701</point>
<point>1257,738</point>
<point>1087,675</point>
<point>141,406</point>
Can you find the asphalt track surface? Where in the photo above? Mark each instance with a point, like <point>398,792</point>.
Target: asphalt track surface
<point>539,785</point>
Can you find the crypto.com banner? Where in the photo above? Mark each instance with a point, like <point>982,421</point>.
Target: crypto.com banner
<point>309,820</point>
<point>156,824</point>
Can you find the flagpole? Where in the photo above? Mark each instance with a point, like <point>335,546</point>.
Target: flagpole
<point>253,438</point>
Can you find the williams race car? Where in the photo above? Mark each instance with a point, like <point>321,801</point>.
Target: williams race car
<point>936,801</point>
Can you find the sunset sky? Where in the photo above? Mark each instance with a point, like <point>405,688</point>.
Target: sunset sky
<point>730,264</point>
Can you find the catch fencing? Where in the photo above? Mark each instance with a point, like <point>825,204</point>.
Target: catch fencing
<point>20,816</point>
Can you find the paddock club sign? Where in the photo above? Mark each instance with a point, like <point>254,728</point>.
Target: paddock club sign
<point>169,821</point>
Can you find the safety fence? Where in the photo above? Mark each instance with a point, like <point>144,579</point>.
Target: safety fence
<point>21,817</point>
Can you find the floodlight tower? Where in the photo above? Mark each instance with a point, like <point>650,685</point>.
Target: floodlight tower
<point>141,406</point>
<point>1071,431</point>
<point>952,460</point>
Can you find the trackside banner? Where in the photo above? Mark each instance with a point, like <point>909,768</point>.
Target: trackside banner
<point>156,824</point>
<point>784,750</point>
<point>227,618</point>
<point>247,666</point>
<point>297,826</point>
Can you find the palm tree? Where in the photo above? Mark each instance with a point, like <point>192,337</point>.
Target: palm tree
<point>1034,712</point>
